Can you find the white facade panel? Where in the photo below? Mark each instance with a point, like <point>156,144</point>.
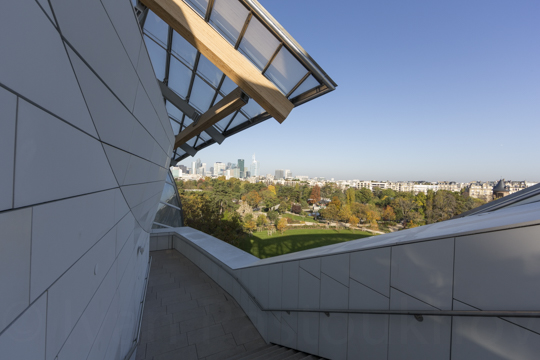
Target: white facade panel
<point>499,270</point>
<point>15,241</point>
<point>72,225</point>
<point>412,339</point>
<point>309,288</point>
<point>25,338</point>
<point>71,293</point>
<point>289,291</point>
<point>8,104</point>
<point>333,334</point>
<point>372,268</point>
<point>425,271</point>
<point>368,337</point>
<point>68,162</point>
<point>334,295</point>
<point>34,63</point>
<point>337,267</point>
<point>87,28</point>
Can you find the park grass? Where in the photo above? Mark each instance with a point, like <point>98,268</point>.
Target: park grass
<point>300,218</point>
<point>263,246</point>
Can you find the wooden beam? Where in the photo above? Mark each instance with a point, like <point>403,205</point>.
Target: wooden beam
<point>231,62</point>
<point>229,104</point>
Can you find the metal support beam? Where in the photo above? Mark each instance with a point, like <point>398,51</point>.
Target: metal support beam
<point>188,149</point>
<point>215,135</point>
<point>229,104</point>
<point>177,101</point>
<point>215,48</point>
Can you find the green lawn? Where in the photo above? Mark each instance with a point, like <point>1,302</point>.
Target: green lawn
<point>264,246</point>
<point>300,218</point>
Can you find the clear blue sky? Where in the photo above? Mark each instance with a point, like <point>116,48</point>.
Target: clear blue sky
<point>427,90</point>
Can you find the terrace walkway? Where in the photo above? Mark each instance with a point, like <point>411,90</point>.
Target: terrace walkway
<point>188,316</point>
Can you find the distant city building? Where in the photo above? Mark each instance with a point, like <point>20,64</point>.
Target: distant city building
<point>219,168</point>
<point>279,174</point>
<point>176,172</point>
<point>248,174</point>
<point>254,167</point>
<point>287,174</point>
<point>241,167</point>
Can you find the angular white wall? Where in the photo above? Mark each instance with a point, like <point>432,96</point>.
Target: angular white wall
<point>84,150</point>
<point>483,262</point>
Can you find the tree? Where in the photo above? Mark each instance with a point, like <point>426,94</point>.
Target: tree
<point>282,224</point>
<point>345,213</point>
<point>272,189</point>
<point>296,208</point>
<point>364,195</point>
<point>336,202</point>
<point>315,195</point>
<point>353,220</point>
<point>253,198</point>
<point>272,215</point>
<point>351,195</point>
<point>388,214</point>
<point>331,212</point>
<point>261,220</point>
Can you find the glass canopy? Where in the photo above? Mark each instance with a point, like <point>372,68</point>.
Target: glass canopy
<point>197,81</point>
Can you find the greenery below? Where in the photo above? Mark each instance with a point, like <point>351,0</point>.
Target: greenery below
<point>248,216</point>
<point>264,246</point>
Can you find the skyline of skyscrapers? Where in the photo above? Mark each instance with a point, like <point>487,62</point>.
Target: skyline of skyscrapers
<point>254,167</point>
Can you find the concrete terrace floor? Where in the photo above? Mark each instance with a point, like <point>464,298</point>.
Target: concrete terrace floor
<point>188,316</point>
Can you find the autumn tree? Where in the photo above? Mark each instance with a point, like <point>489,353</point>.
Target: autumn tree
<point>353,220</point>
<point>336,202</point>
<point>282,224</point>
<point>345,213</point>
<point>315,195</point>
<point>272,189</point>
<point>253,198</point>
<point>330,212</point>
<point>388,214</point>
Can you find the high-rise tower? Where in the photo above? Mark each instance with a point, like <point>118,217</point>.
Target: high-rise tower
<point>254,167</point>
<point>241,167</point>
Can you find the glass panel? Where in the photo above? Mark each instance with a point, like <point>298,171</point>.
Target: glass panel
<point>173,111</point>
<point>308,84</point>
<point>187,121</point>
<point>285,71</point>
<point>175,126</point>
<point>199,6</point>
<point>222,124</point>
<point>227,86</point>
<point>179,78</point>
<point>183,50</point>
<point>169,196</point>
<point>197,141</point>
<point>156,28</point>
<point>169,179</point>
<point>218,99</point>
<point>228,18</point>
<point>258,44</point>
<point>167,215</point>
<point>204,137</point>
<point>191,142</point>
<point>158,56</point>
<point>239,119</point>
<point>209,71</point>
<point>201,95</point>
<point>180,152</point>
<point>252,109</point>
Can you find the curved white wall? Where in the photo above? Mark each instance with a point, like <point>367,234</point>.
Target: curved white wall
<point>84,145</point>
<point>482,262</point>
